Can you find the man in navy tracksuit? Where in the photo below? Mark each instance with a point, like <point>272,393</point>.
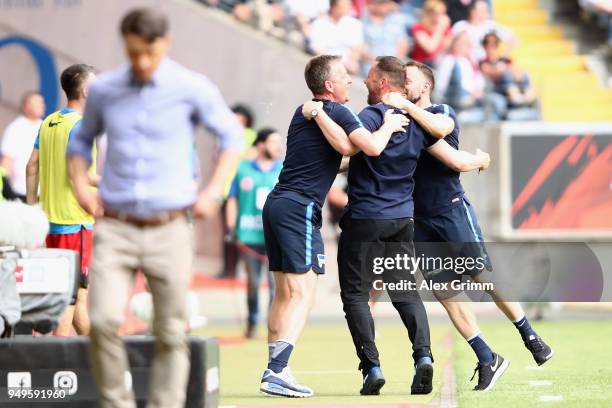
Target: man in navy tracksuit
<point>445,220</point>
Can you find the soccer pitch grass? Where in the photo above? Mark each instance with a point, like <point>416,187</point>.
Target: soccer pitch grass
<point>579,373</point>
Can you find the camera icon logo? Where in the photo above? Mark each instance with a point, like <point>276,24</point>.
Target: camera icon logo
<point>67,381</point>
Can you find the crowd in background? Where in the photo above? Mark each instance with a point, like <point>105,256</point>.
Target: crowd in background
<point>458,38</point>
<point>601,11</point>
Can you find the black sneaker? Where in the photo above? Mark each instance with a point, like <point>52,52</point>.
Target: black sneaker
<point>372,382</point>
<point>421,383</point>
<point>540,351</point>
<point>488,374</point>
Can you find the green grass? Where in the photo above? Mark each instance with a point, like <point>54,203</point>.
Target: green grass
<point>580,371</point>
<point>325,360</point>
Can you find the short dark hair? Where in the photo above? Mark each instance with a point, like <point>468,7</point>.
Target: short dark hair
<point>490,34</point>
<point>73,78</point>
<point>242,109</point>
<point>318,70</point>
<point>393,68</point>
<point>146,23</point>
<point>263,135</point>
<point>425,70</point>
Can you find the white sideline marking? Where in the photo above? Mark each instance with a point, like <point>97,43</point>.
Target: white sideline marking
<point>541,383</point>
<point>448,391</point>
<point>550,398</point>
<point>535,368</point>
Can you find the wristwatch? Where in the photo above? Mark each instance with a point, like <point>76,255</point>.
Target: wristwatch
<point>314,113</point>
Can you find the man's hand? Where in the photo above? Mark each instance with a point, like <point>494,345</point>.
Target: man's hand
<point>484,158</point>
<point>90,201</point>
<point>396,121</point>
<point>88,198</point>
<point>309,106</point>
<point>395,99</point>
<point>207,204</point>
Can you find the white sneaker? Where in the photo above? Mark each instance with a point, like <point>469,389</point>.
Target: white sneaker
<point>283,384</point>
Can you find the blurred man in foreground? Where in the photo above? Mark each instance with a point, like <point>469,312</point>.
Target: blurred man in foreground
<point>150,110</point>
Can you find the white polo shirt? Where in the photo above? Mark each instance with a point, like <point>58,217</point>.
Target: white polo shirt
<point>336,38</point>
<point>18,143</point>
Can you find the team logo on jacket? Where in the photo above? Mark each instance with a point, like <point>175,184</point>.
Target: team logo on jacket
<point>321,260</point>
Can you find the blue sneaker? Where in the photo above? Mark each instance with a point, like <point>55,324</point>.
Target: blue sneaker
<point>372,382</point>
<point>283,384</point>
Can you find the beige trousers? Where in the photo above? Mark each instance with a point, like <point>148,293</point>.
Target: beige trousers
<point>164,254</point>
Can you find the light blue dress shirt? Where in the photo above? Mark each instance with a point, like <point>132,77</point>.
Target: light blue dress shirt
<point>151,131</point>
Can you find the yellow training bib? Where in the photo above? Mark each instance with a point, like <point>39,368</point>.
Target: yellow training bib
<point>56,194</point>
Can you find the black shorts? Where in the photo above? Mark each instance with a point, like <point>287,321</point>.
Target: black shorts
<point>293,236</point>
<point>453,234</point>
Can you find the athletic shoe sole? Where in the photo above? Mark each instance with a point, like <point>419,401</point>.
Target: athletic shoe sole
<point>373,388</point>
<point>501,370</point>
<point>424,375</point>
<point>548,357</point>
<point>276,390</point>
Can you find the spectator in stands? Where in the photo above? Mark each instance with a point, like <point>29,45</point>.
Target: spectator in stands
<point>340,34</point>
<point>384,29</point>
<point>603,8</point>
<point>359,8</point>
<point>18,142</point>
<point>263,14</point>
<point>300,14</point>
<point>479,24</point>
<point>461,84</point>
<point>432,35</point>
<point>250,188</point>
<point>507,79</point>
<point>460,9</point>
<point>411,10</point>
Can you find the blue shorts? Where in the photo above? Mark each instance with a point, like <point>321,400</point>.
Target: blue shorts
<point>454,233</point>
<point>293,236</point>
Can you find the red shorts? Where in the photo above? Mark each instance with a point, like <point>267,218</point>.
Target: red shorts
<point>82,242</point>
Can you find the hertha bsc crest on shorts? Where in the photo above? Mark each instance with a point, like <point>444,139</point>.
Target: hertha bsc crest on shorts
<point>321,260</point>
